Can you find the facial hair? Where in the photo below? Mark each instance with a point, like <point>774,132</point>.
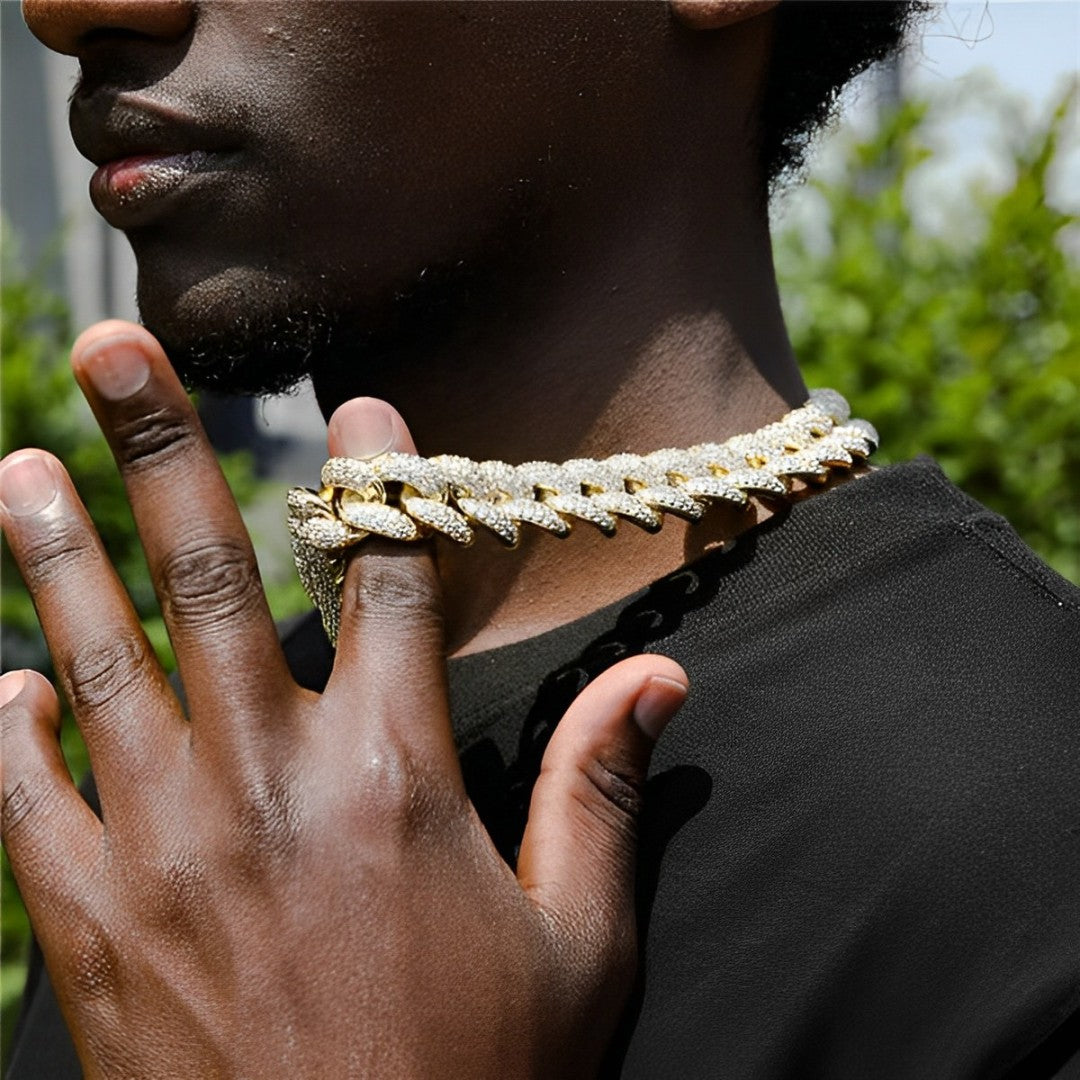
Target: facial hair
<point>344,348</point>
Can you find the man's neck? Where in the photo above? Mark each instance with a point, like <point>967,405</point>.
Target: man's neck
<point>644,315</point>
<point>630,359</point>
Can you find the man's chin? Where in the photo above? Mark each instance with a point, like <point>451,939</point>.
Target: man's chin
<point>253,357</point>
<point>240,333</point>
<point>232,330</point>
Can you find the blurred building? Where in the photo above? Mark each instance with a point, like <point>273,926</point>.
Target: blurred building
<point>43,182</point>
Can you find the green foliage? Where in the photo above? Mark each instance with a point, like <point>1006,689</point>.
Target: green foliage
<point>963,343</point>
<point>41,406</point>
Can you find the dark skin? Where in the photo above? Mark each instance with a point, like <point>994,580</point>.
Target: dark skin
<point>295,884</point>
<point>599,234</point>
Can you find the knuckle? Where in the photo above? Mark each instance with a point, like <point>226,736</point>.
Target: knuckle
<point>207,582</point>
<point>20,803</point>
<point>393,588</point>
<point>13,719</point>
<point>26,790</point>
<point>267,823</point>
<point>97,673</point>
<point>402,799</point>
<point>620,793</point>
<point>54,553</point>
<point>150,441</point>
<point>178,892</point>
<point>93,961</point>
<point>388,780</point>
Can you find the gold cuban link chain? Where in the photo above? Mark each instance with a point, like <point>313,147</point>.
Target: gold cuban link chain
<point>407,497</point>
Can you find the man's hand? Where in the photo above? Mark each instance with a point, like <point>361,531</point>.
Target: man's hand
<point>291,884</point>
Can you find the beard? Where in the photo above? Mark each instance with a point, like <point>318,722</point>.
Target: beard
<point>272,353</point>
<point>351,349</point>
<point>257,356</point>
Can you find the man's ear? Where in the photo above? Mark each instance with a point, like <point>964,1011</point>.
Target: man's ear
<point>714,14</point>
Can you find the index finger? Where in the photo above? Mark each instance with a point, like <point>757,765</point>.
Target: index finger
<point>391,651</point>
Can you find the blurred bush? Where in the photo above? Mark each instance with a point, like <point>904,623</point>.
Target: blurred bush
<point>959,339</point>
<point>42,406</point>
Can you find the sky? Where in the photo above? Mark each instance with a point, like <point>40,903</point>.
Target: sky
<point>1030,48</point>
<point>1030,44</point>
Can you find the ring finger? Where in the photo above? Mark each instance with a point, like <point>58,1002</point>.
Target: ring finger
<point>118,692</point>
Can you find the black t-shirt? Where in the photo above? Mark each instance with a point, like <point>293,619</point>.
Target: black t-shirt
<point>861,849</point>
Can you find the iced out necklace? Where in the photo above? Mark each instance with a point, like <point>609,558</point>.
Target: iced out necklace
<point>407,497</point>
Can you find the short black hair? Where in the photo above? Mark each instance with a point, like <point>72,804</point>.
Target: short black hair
<point>819,46</point>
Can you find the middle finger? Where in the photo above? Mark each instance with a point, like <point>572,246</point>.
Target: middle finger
<point>200,558</point>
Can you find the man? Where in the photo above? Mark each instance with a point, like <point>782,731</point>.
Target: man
<point>540,231</point>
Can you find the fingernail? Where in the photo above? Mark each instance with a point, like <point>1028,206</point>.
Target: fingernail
<point>11,686</point>
<point>657,704</point>
<point>27,485</point>
<point>117,368</point>
<point>363,429</point>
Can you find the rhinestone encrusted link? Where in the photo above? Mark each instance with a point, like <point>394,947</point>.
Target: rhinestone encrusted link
<point>672,500</point>
<point>438,516</point>
<point>324,534</point>
<point>713,487</point>
<point>581,506</point>
<point>304,504</point>
<point>627,506</point>
<point>416,472</point>
<point>351,473</point>
<point>536,513</point>
<point>377,518</point>
<point>492,516</point>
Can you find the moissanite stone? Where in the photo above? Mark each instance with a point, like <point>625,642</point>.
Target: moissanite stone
<point>438,516</point>
<point>417,472</point>
<point>867,430</point>
<point>581,506</point>
<point>712,487</point>
<point>491,517</point>
<point>801,463</point>
<point>462,474</point>
<point>450,494</point>
<point>545,476</point>
<point>670,500</point>
<point>537,513</point>
<point>832,404</point>
<point>304,503</point>
<point>349,473</point>
<point>377,518</point>
<point>756,480</point>
<point>325,534</point>
<point>629,507</point>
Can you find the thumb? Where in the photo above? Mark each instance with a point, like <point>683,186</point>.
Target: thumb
<point>580,846</point>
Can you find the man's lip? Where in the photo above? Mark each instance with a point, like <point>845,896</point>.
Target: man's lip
<point>132,191</point>
<point>108,127</point>
<point>122,178</point>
